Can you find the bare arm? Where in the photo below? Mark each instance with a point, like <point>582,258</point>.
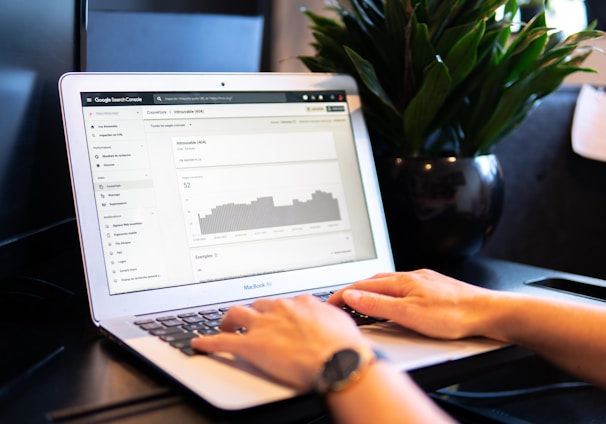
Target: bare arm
<point>570,335</point>
<point>291,339</point>
<point>384,396</point>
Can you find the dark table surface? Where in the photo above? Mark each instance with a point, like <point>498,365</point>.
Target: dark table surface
<point>90,379</point>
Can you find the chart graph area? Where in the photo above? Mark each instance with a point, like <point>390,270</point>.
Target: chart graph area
<point>223,205</point>
<point>264,213</point>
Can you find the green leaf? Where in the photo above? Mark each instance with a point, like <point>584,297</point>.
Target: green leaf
<point>315,64</point>
<point>464,54</point>
<point>367,74</point>
<point>397,20</point>
<point>321,22</point>
<point>509,103</point>
<point>423,50</point>
<point>367,13</point>
<point>422,109</point>
<point>581,36</point>
<point>441,15</point>
<point>526,53</point>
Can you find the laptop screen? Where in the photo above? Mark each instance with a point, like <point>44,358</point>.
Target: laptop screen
<point>199,187</point>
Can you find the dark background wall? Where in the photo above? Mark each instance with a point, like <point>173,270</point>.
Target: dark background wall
<point>555,200</point>
<point>596,9</point>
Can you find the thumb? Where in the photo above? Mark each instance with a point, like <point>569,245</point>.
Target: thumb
<point>372,304</point>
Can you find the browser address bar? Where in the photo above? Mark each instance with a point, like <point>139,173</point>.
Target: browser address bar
<point>240,110</point>
<point>217,98</point>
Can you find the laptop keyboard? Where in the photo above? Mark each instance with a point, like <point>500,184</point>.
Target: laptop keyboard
<point>178,330</point>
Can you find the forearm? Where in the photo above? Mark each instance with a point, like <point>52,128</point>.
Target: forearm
<point>384,395</point>
<point>568,334</point>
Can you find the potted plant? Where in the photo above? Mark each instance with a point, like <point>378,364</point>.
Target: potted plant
<point>441,82</point>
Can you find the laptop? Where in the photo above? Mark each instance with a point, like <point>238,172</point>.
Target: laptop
<point>197,192</point>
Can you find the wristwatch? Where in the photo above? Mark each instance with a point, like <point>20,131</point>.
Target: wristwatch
<point>343,368</point>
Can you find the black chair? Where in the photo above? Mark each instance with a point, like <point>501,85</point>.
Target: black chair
<point>554,214</point>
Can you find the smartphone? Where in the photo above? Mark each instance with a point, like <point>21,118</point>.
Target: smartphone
<point>578,288</point>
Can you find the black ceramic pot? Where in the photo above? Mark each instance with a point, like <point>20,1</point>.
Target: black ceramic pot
<point>441,208</point>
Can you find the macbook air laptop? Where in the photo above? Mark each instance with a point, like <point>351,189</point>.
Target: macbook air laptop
<point>196,192</point>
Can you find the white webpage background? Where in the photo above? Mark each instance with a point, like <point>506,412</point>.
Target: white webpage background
<point>140,155</point>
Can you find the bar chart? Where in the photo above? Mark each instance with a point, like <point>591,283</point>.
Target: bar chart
<point>224,205</point>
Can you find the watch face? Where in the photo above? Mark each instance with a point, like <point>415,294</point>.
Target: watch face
<point>340,368</point>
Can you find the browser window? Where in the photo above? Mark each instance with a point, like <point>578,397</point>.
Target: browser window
<point>202,187</point>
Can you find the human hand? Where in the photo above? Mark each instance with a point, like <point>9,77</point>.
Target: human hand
<point>288,339</point>
<point>424,301</point>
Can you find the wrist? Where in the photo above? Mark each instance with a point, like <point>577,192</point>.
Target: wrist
<point>500,315</point>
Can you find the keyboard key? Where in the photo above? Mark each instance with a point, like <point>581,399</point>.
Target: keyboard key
<point>167,318</point>
<point>208,311</point>
<point>212,322</point>
<point>214,315</point>
<point>190,351</point>
<point>179,344</point>
<point>208,331</point>
<point>178,336</point>
<point>151,326</point>
<point>194,327</point>
<point>164,331</point>
<point>172,322</point>
<point>194,319</point>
